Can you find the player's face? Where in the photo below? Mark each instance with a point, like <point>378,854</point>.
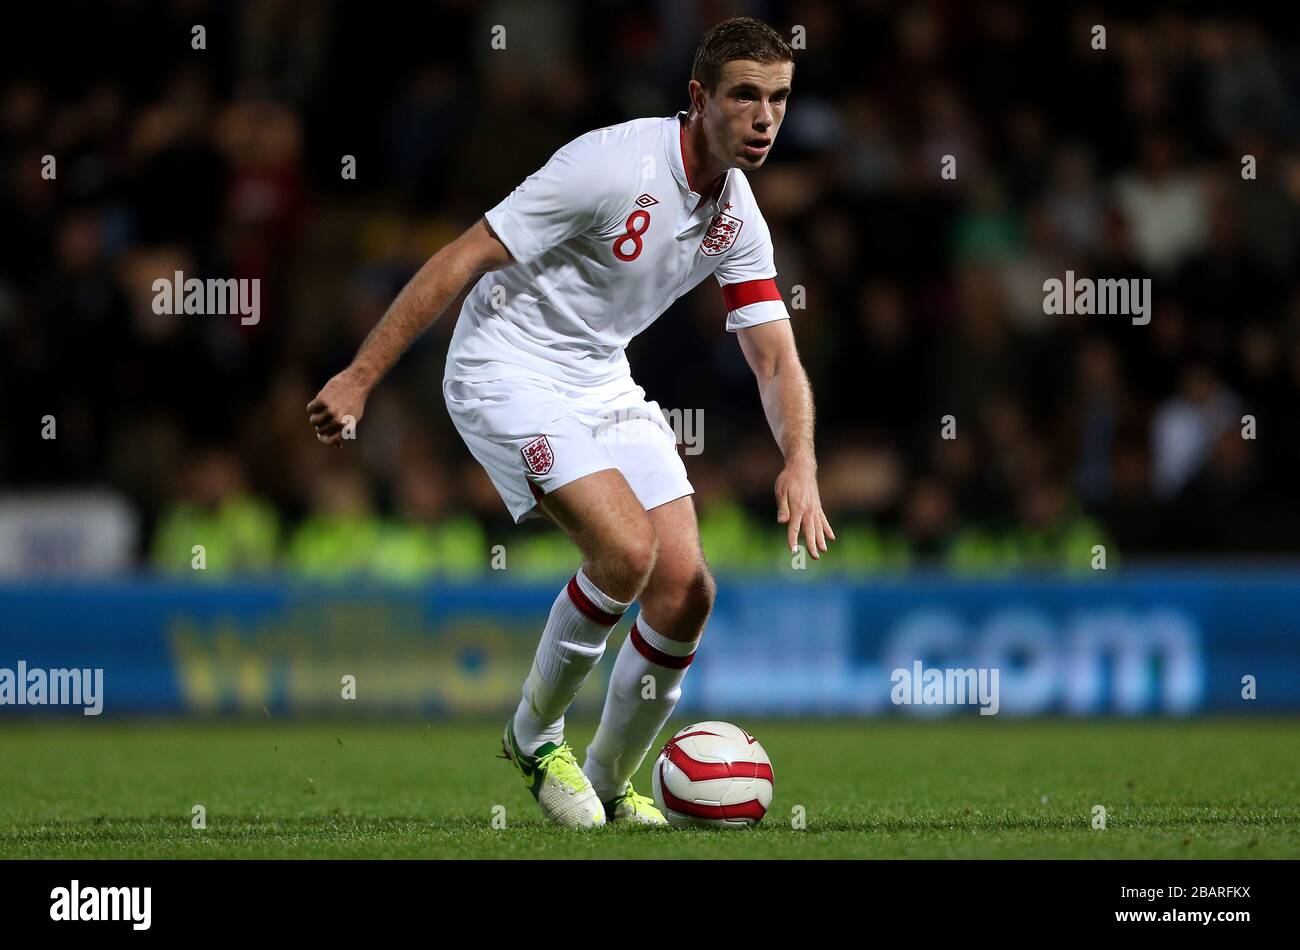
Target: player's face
<point>745,112</point>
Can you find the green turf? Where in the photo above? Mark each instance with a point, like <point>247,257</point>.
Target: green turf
<point>893,789</point>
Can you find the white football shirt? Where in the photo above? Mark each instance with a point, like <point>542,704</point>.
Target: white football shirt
<point>605,237</point>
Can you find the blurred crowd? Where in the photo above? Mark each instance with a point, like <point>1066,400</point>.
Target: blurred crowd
<point>922,295</point>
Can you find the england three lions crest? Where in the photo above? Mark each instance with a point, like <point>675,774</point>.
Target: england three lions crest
<point>538,456</point>
<point>722,234</point>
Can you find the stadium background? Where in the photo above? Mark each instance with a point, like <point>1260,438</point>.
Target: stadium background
<point>923,299</point>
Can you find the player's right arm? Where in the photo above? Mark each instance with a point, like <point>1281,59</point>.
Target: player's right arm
<point>577,189</point>
<point>421,302</point>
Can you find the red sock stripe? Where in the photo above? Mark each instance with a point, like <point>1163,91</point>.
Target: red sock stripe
<point>659,657</point>
<point>587,608</point>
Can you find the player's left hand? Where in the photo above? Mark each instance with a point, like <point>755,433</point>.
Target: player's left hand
<point>799,505</point>
<point>339,405</point>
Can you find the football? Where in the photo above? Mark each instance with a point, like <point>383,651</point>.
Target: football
<point>713,775</point>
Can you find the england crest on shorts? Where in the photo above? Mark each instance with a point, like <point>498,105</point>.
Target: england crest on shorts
<point>538,455</point>
<point>722,234</point>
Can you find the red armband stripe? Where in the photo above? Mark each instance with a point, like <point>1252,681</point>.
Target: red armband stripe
<point>749,291</point>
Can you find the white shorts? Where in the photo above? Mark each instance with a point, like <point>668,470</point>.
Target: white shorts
<point>534,435</point>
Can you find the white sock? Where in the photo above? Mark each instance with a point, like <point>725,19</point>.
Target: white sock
<point>572,643</point>
<point>629,723</point>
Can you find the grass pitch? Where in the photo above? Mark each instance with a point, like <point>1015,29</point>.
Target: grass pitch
<point>883,789</point>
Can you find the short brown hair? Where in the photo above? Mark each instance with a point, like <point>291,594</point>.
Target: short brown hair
<point>741,37</point>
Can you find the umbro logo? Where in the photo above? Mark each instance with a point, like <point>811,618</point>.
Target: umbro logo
<point>646,201</point>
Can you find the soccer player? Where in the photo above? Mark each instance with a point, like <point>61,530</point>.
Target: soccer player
<point>583,255</point>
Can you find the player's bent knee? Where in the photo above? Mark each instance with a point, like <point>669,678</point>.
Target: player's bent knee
<point>694,599</point>
<point>710,588</point>
<point>702,593</point>
<point>644,553</point>
<point>634,553</point>
<point>682,601</point>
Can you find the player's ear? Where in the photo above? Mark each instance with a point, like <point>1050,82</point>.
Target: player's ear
<point>696,91</point>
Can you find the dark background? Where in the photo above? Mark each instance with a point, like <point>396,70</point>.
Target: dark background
<point>923,296</point>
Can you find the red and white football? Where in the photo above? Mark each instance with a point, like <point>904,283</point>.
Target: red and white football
<point>713,775</point>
